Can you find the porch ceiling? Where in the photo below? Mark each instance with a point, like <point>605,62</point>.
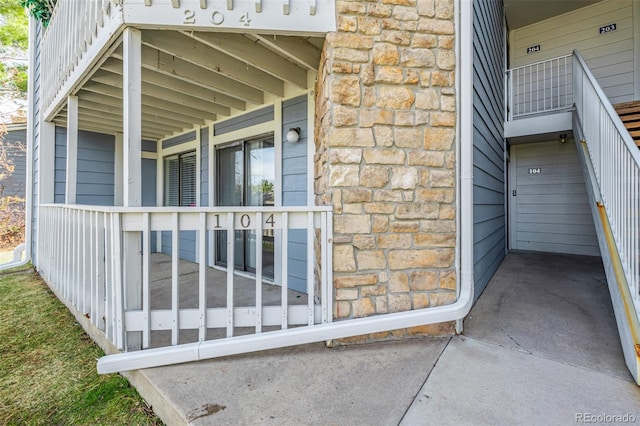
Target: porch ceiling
<point>192,78</point>
<point>521,13</point>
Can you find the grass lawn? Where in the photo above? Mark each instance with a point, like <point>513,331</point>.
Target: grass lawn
<point>48,364</point>
<point>6,256</point>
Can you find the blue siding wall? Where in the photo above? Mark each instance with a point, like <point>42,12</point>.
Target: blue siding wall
<point>204,166</point>
<point>149,170</point>
<point>95,181</point>
<point>180,139</point>
<point>34,120</point>
<point>15,184</point>
<point>294,185</point>
<point>246,120</point>
<point>187,240</point>
<point>488,142</point>
<point>150,146</point>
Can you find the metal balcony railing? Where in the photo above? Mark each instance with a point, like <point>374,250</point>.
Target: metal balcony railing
<point>539,88</point>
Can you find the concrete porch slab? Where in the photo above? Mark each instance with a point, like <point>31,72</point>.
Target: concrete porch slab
<point>553,305</point>
<point>480,383</point>
<point>311,384</point>
<point>541,347</point>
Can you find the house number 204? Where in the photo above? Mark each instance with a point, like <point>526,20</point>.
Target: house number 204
<point>216,18</point>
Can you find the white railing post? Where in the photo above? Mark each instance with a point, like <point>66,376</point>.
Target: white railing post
<point>258,280</point>
<point>284,296</point>
<point>311,232</point>
<point>202,277</point>
<point>230,268</point>
<point>175,278</point>
<point>119,291</point>
<point>146,292</point>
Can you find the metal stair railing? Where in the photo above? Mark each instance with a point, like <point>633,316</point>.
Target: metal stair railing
<point>616,165</point>
<point>612,171</point>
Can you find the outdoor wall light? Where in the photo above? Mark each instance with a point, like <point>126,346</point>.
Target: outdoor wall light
<point>293,135</point>
<point>563,138</point>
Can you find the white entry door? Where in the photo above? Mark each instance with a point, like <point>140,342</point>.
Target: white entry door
<point>549,208</point>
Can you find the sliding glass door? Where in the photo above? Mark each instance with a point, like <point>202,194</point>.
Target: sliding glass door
<point>245,176</point>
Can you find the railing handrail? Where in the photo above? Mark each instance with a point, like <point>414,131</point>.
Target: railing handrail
<point>611,112</point>
<point>194,209</point>
<point>537,63</point>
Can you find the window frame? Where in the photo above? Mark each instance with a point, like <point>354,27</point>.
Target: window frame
<point>167,183</point>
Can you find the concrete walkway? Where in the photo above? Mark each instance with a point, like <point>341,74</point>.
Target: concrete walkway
<point>540,347</point>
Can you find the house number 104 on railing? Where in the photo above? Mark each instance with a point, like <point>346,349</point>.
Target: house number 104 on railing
<point>243,221</point>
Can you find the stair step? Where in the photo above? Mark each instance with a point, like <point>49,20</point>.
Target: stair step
<point>629,117</point>
<point>629,104</point>
<point>629,113</point>
<point>628,110</point>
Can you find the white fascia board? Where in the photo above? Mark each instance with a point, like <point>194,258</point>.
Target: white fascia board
<point>539,124</point>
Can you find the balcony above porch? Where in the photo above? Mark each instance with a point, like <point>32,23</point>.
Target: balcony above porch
<point>201,59</point>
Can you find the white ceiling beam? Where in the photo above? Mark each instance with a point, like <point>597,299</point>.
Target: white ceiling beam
<point>108,129</point>
<point>148,100</point>
<point>159,112</point>
<point>163,93</point>
<point>175,67</point>
<point>295,49</point>
<point>113,110</point>
<point>197,53</point>
<point>108,126</point>
<point>148,124</point>
<point>148,76</point>
<point>243,49</point>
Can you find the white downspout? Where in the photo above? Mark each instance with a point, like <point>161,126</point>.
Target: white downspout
<point>465,146</point>
<point>340,329</point>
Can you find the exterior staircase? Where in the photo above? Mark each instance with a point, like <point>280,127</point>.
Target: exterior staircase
<point>629,113</point>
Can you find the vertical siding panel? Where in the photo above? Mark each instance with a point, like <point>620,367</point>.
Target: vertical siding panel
<point>488,142</point>
<point>204,166</point>
<point>149,199</point>
<point>96,154</point>
<point>294,187</point>
<point>35,122</point>
<point>15,185</point>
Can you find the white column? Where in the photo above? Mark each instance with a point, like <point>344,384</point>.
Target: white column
<point>72,149</point>
<point>132,172</point>
<point>118,181</point>
<point>132,117</point>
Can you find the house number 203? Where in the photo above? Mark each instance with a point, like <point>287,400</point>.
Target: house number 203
<point>216,18</point>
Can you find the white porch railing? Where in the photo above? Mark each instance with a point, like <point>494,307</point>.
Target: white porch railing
<point>78,31</point>
<point>539,88</point>
<point>97,260</point>
<point>616,165</point>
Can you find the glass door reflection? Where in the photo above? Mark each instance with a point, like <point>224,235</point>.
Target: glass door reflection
<point>246,177</point>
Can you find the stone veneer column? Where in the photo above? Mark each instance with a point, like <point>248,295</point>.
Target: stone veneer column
<point>385,157</point>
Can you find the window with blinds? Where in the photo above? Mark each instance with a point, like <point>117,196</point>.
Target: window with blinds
<point>180,179</point>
